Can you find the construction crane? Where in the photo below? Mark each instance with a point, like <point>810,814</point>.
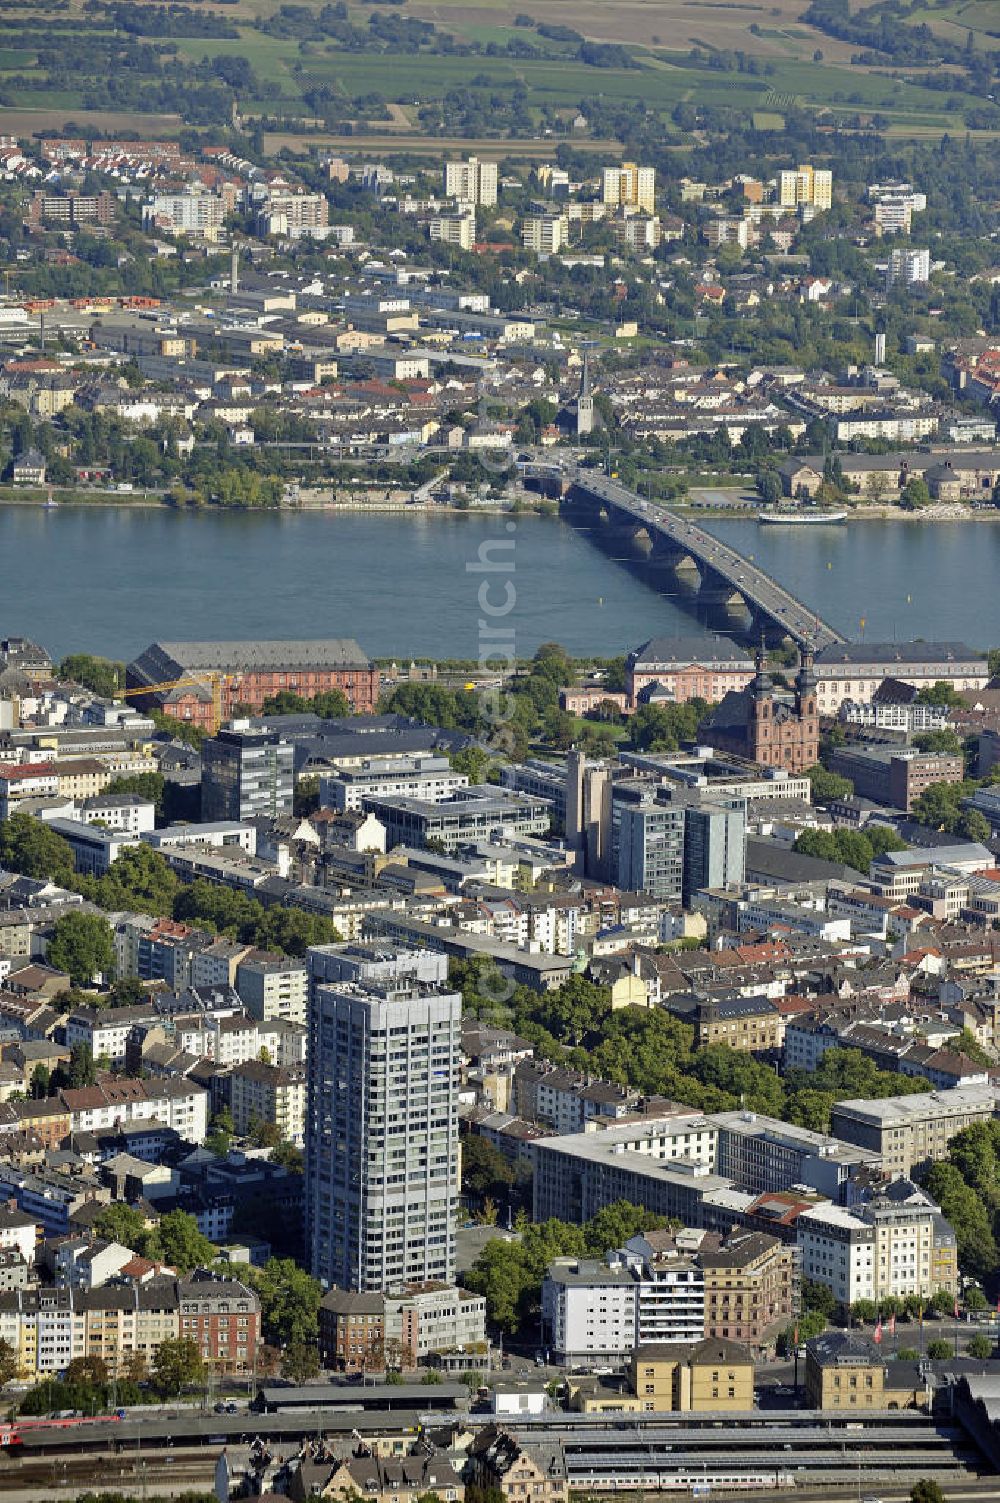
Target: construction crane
<point>214,681</point>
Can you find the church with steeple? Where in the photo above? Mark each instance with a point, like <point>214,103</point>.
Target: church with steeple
<point>585,403</point>
<point>766,725</point>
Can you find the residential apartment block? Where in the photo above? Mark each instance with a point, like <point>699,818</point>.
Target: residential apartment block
<point>246,771</point>
<point>471,182</point>
<point>629,186</point>
<point>896,1243</point>
<point>48,1328</point>
<point>382,1157</point>
<point>673,1165</point>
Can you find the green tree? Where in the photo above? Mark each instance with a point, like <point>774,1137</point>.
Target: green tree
<point>177,1365</point>
<point>305,799</point>
<point>975,826</point>
<point>264,1134</point>
<point>8,1363</point>
<point>289,1302</point>
<point>926,1491</point>
<point>980,1347</point>
<point>966,1043</point>
<point>664,727</point>
<point>81,1070</point>
<point>485,1170</point>
<point>102,676</point>
<point>828,785</point>
<point>177,1241</point>
<point>944,741</point>
<point>300,1361</point>
<point>941,693</point>
<point>509,1274</point>
<point>289,1157</point>
<point>975,1300</point>
<point>819,1297</point>
<point>121,1223</point>
<point>332,704</point>
<point>970,1218</point>
<point>914,495</point>
<point>141,879</point>
<point>219,1137</point>
<point>617,1224</point>
<point>811,1323</point>
<point>128,991</point>
<point>82,945</point>
<point>856,848</point>
<point>41,1081</point>
<point>147,785</point>
<point>473,761</point>
<point>91,1370</point>
<point>769,487</point>
<point>942,1302</point>
<point>940,806</point>
<point>939,1350</point>
<point>30,847</point>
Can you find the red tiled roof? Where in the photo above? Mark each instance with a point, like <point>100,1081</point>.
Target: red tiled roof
<point>14,772</point>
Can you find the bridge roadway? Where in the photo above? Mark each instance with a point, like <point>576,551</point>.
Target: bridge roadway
<point>766,600</point>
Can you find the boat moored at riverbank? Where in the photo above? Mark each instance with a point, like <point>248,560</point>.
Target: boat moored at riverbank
<point>799,518</point>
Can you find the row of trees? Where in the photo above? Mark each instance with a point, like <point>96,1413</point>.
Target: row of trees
<point>653,1052</point>
<point>141,880</point>
<point>88,1388</point>
<point>857,848</point>
<point>966,1185</point>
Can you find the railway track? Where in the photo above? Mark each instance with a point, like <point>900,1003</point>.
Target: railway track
<point>104,1468</point>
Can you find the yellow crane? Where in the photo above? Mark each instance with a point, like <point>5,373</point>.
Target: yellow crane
<point>212,680</point>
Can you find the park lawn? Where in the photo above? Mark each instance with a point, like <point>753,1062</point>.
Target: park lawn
<point>581,724</point>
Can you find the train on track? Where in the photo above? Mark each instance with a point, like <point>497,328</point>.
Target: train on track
<point>12,1432</point>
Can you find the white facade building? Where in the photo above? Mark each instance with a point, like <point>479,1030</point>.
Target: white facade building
<point>382,1155</point>
<point>471,181</point>
<point>417,777</point>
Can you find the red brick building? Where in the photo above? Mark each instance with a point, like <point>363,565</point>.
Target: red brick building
<point>352,1331</point>
<point>222,1316</point>
<point>204,682</point>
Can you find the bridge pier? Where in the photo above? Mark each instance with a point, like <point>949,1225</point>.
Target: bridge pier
<point>682,560</point>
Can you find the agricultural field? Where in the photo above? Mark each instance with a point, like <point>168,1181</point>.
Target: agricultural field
<point>793,66</point>
<point>962,20</point>
<point>674,24</point>
<point>410,79</point>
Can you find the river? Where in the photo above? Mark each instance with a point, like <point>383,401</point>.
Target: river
<point>886,579</point>
<point>112,579</point>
